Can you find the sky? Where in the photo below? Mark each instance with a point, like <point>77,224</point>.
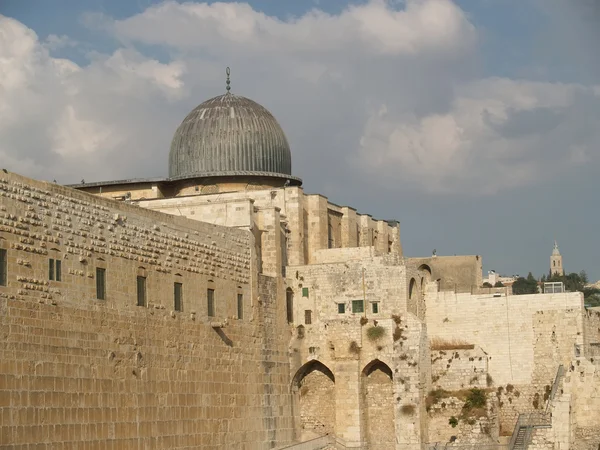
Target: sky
<point>475,123</point>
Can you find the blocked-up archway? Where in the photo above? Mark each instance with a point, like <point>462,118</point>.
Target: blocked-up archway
<point>378,403</point>
<point>314,389</point>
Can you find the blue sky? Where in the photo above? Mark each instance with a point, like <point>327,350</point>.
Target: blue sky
<point>472,122</point>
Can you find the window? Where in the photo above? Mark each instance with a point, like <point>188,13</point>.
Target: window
<point>289,303</point>
<point>307,317</point>
<point>341,308</point>
<point>240,306</point>
<point>178,296</point>
<point>375,308</point>
<point>54,269</point>
<point>304,292</point>
<point>357,306</point>
<point>3,267</point>
<point>210,302</point>
<point>141,291</point>
<point>100,283</point>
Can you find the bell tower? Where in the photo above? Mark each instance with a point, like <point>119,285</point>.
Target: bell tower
<point>556,265</point>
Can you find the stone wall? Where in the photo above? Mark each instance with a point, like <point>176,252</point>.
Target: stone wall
<point>453,273</point>
<point>504,327</point>
<point>81,372</point>
<point>460,369</point>
<point>591,333</point>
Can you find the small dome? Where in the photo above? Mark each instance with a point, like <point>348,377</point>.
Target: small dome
<point>229,135</point>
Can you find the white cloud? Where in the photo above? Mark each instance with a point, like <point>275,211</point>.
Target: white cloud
<point>377,92</point>
<point>498,134</point>
<point>60,120</point>
<point>425,25</point>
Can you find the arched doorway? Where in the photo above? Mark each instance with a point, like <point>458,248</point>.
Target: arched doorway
<point>378,401</point>
<point>314,392</point>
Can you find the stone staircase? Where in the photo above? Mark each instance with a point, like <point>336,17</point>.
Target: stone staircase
<point>528,422</point>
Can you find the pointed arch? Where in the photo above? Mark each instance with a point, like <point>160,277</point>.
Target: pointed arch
<point>412,288</point>
<point>311,366</point>
<point>313,391</point>
<point>378,404</point>
<point>424,268</point>
<point>377,364</point>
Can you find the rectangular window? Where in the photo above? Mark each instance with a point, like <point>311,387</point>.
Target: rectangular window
<point>3,267</point>
<point>304,292</point>
<point>308,317</point>
<point>341,308</point>
<point>54,269</point>
<point>100,283</point>
<point>178,297</point>
<point>58,270</point>
<point>210,300</point>
<point>357,306</point>
<point>375,308</point>
<point>141,291</point>
<point>240,306</point>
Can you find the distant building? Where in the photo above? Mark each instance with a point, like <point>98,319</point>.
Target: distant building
<point>493,277</point>
<point>556,265</point>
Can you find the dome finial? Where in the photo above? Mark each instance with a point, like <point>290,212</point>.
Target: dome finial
<point>228,71</point>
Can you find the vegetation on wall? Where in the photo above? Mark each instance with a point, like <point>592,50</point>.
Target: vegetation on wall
<point>452,344</point>
<point>375,332</point>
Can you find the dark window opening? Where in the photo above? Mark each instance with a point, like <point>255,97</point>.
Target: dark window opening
<point>308,317</point>
<point>54,269</point>
<point>375,308</point>
<point>240,306</point>
<point>210,302</point>
<point>341,308</point>
<point>289,303</point>
<point>141,291</point>
<point>100,283</point>
<point>3,267</point>
<point>178,296</point>
<point>357,306</point>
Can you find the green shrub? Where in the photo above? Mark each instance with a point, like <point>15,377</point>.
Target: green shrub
<point>374,333</point>
<point>453,422</point>
<point>476,398</point>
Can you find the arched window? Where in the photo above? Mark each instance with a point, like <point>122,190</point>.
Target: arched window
<point>412,287</point>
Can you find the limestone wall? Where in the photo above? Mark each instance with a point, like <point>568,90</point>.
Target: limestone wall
<point>455,273</point>
<point>320,288</point>
<point>504,328</point>
<point>591,335</point>
<point>80,372</point>
<point>459,369</point>
<point>582,382</point>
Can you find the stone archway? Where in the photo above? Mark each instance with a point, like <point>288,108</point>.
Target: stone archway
<point>314,393</point>
<point>378,401</point>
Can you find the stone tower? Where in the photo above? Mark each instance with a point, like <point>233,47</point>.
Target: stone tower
<point>556,265</point>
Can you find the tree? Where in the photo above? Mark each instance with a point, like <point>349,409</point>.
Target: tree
<point>487,285</point>
<point>498,284</point>
<point>523,286</point>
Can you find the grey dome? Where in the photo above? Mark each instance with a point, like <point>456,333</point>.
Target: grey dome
<point>229,135</point>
